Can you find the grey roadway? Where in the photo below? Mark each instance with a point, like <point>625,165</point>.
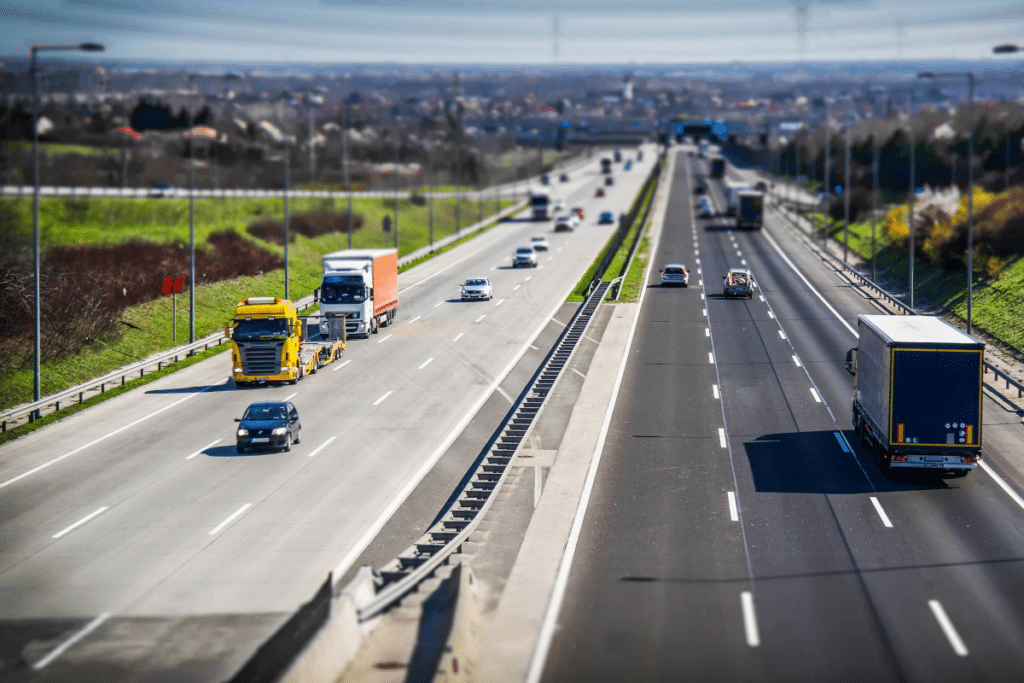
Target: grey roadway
<point>656,590</point>
<point>141,507</point>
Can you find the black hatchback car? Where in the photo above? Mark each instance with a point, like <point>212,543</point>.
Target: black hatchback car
<point>269,424</point>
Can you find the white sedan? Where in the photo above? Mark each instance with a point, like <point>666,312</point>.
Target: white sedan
<point>476,288</point>
<point>674,274</point>
<point>539,243</point>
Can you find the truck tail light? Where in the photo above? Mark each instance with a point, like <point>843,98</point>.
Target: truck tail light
<point>899,458</point>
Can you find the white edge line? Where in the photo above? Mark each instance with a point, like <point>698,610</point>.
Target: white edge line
<point>209,445</point>
<point>881,512</point>
<point>1002,484</point>
<point>227,521</point>
<point>342,365</point>
<point>82,521</point>
<point>547,629</point>
<point>103,438</point>
<point>842,442</point>
<point>947,627</point>
<point>750,619</point>
<point>734,513</point>
<point>381,399</point>
<point>322,446</point>
<point>63,647</point>
<point>426,363</point>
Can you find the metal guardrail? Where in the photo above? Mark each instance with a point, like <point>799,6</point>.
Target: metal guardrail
<point>898,304</point>
<point>14,417</point>
<point>421,559</point>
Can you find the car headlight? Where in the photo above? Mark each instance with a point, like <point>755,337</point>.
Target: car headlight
<point>243,432</point>
<point>280,431</point>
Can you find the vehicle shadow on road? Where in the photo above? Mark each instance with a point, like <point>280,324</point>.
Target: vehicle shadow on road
<point>227,386</point>
<point>232,452</point>
<point>719,227</point>
<point>815,462</point>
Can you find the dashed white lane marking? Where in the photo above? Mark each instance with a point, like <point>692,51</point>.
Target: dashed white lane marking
<point>721,437</point>
<point>458,336</point>
<point>342,365</point>
<point>797,361</point>
<point>500,302</point>
<point>700,282</point>
<point>438,304</point>
<point>711,356</point>
<point>516,287</point>
<point>322,446</point>
<point>480,318</point>
<point>750,619</point>
<point>761,297</point>
<point>578,373</point>
<point>881,512</point>
<point>771,315</point>
<point>80,522</point>
<point>817,399</point>
<point>494,267</point>
<point>382,398</point>
<point>291,396</point>
<point>209,445</point>
<point>714,390</point>
<point>782,334</point>
<point>231,518</point>
<point>705,311</point>
<point>527,278</point>
<point>702,296</point>
<point>743,261</point>
<point>381,341</point>
<point>947,627</point>
<point>410,322</point>
<point>707,331</point>
<point>426,363</point>
<point>842,442</point>
<point>734,513</point>
<point>63,647</point>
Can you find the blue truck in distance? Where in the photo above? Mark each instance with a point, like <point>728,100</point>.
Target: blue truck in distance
<point>917,392</point>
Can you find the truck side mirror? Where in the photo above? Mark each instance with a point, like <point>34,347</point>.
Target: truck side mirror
<point>227,332</point>
<point>851,361</point>
<point>316,295</point>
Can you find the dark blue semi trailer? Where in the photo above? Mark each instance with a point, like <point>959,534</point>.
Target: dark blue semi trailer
<point>917,392</point>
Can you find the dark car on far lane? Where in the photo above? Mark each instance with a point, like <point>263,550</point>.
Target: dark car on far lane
<point>269,424</point>
<point>606,217</point>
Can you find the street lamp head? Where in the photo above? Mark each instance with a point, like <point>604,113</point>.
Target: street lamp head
<point>91,47</point>
<point>1006,48</point>
<point>927,74</point>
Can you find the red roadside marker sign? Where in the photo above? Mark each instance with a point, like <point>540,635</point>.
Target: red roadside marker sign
<point>172,285</point>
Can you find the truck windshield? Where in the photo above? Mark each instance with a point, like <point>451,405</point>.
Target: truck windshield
<point>343,294</point>
<point>540,200</point>
<point>256,330</point>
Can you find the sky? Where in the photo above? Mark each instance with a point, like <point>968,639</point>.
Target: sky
<point>514,32</point>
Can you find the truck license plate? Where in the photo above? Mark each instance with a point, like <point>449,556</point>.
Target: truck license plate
<point>261,439</point>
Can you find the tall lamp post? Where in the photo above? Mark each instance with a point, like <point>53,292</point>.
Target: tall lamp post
<point>86,47</point>
<point>1007,48</point>
<point>191,214</point>
<point>970,181</point>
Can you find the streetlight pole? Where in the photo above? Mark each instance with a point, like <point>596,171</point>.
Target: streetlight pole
<point>287,183</point>
<point>970,177</point>
<point>913,198</point>
<point>846,195</point>
<point>36,336</point>
<point>874,193</point>
<point>344,166</point>
<point>191,215</point>
<point>828,170</point>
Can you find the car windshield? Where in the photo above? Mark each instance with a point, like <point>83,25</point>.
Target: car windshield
<point>476,283</point>
<point>343,294</point>
<point>256,330</point>
<point>539,239</point>
<point>539,200</point>
<point>524,250</point>
<point>674,271</point>
<point>264,413</point>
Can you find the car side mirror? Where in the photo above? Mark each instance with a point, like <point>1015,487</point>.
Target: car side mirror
<point>238,419</point>
<point>851,361</point>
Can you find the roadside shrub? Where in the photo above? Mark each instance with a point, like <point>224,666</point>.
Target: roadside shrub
<point>311,224</point>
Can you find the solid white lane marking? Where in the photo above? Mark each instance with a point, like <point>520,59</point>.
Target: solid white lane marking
<point>814,393</point>
<point>227,521</point>
<point>209,445</point>
<point>750,619</point>
<point>842,442</point>
<point>771,315</point>
<point>480,318</point>
<point>776,247</point>
<point>947,627</point>
<point>63,647</point>
<point>342,365</point>
<point>458,336</point>
<point>721,437</point>
<point>81,522</point>
<point>384,339</point>
<point>516,287</point>
<point>578,373</point>
<point>782,334</point>
<point>881,512</point>
<point>797,361</point>
<point>425,363</point>
<point>714,390</point>
<point>382,398</point>
<point>322,446</point>
<point>734,513</point>
<point>707,331</point>
<point>500,302</point>
<point>438,304</point>
<point>105,436</point>
<point>290,396</point>
<point>1002,484</point>
<point>410,322</point>
<point>711,357</point>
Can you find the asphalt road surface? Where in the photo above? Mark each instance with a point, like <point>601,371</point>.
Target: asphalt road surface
<point>141,508</point>
<point>738,532</point>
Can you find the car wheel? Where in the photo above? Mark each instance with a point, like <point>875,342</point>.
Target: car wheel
<point>298,434</point>
<point>374,325</point>
<point>288,442</point>
<point>240,448</point>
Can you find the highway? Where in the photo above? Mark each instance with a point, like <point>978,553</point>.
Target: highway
<point>139,511</point>
<point>737,531</point>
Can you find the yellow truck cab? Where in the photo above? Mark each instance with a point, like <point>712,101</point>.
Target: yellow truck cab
<point>271,343</point>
